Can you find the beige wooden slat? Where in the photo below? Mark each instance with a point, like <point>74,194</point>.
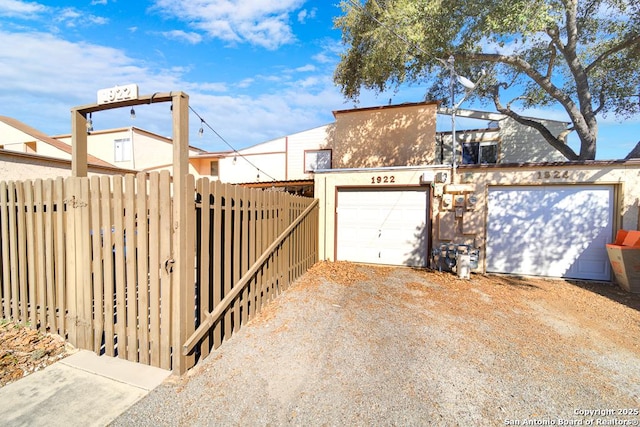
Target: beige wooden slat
<point>22,253</point>
<point>98,229</point>
<point>282,253</point>
<point>188,290</point>
<point>120,268</point>
<point>244,255</point>
<point>4,235</point>
<point>166,262</point>
<point>40,254</point>
<point>72,190</point>
<point>237,211</point>
<point>106,212</point>
<point>154,268</point>
<point>260,228</point>
<point>27,209</point>
<point>130,266</point>
<point>253,248</point>
<point>13,252</point>
<point>85,324</point>
<point>227,255</point>
<point>217,258</point>
<point>267,232</point>
<point>204,189</point>
<point>49,249</point>
<point>60,262</point>
<point>143,266</point>
<point>271,235</point>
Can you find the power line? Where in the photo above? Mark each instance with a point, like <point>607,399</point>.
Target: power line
<point>235,152</point>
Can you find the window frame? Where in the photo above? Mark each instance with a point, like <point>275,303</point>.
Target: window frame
<point>308,161</point>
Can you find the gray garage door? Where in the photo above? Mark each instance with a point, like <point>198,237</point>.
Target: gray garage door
<point>382,226</point>
<point>557,231</point>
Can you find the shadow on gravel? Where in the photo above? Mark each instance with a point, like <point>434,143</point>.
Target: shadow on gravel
<point>611,291</point>
<point>519,281</point>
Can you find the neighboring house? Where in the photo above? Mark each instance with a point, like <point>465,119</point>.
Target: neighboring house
<point>385,136</point>
<point>19,137</point>
<point>502,140</point>
<point>132,148</point>
<point>635,153</point>
<point>17,166</point>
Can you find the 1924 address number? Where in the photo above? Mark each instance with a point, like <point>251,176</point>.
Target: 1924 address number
<point>552,175</point>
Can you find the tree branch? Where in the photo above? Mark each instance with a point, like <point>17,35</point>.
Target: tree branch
<point>630,42</point>
<point>556,142</point>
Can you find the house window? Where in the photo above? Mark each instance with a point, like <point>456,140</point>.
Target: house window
<point>122,149</point>
<point>214,169</point>
<point>317,159</point>
<point>474,153</point>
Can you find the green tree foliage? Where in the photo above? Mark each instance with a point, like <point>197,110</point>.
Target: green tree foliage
<point>583,55</point>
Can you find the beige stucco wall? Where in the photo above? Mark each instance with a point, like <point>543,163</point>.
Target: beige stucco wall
<point>470,228</point>
<point>400,135</point>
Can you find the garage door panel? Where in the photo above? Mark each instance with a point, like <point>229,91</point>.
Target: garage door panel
<point>382,226</point>
<point>550,231</point>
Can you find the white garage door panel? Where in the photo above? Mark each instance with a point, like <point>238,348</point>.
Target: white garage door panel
<point>557,231</point>
<point>382,226</point>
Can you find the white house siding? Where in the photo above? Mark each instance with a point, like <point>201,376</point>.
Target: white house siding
<point>298,143</point>
<point>281,159</point>
<point>269,158</point>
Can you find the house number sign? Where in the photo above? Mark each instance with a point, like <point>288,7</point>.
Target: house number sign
<point>383,179</point>
<point>117,93</point>
<point>557,174</point>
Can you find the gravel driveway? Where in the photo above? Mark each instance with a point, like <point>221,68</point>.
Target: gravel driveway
<point>367,346</point>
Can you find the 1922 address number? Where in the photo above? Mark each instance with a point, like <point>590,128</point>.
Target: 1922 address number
<point>383,179</point>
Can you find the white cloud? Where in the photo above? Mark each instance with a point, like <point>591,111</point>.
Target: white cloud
<point>305,14</point>
<point>101,2</point>
<point>305,68</point>
<point>192,38</point>
<point>264,23</point>
<point>16,8</point>
<point>53,72</point>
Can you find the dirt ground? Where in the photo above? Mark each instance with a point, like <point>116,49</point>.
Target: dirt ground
<point>24,350</point>
<point>363,345</point>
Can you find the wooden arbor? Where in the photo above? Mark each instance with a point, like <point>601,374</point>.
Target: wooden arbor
<point>180,271</point>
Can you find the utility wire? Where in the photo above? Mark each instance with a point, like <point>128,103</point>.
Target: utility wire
<point>235,152</point>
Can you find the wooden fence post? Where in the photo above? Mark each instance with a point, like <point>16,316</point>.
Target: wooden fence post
<point>182,318</point>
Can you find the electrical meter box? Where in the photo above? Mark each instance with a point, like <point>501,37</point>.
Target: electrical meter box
<point>447,201</point>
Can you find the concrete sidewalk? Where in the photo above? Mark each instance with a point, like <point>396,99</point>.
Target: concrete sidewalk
<point>80,390</point>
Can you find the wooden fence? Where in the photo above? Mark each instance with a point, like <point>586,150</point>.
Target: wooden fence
<point>92,259</point>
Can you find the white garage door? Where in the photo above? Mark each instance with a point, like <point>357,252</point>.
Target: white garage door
<point>382,226</point>
<point>556,231</point>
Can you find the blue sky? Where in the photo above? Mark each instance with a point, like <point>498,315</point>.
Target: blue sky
<point>253,69</point>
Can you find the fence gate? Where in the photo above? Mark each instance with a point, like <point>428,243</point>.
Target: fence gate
<point>93,259</point>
